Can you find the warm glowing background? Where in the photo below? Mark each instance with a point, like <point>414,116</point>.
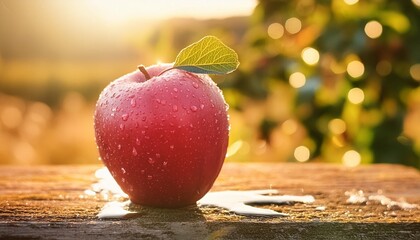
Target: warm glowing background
<point>336,81</point>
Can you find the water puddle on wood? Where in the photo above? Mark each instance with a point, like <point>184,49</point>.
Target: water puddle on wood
<point>237,202</point>
<point>360,197</point>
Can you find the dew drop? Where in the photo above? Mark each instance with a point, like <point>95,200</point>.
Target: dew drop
<point>193,108</point>
<point>175,108</point>
<point>124,116</point>
<point>134,152</point>
<point>133,102</point>
<point>151,160</point>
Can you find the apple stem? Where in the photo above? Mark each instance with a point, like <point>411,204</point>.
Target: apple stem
<point>144,71</point>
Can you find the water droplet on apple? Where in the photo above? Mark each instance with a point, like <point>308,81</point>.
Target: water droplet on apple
<point>122,126</point>
<point>124,116</point>
<point>195,85</point>
<point>138,141</point>
<point>158,100</point>
<point>134,152</point>
<point>175,89</point>
<point>175,108</point>
<point>193,108</point>
<point>163,102</point>
<point>216,121</point>
<point>123,179</point>
<point>165,163</point>
<point>202,106</point>
<point>143,118</point>
<point>172,147</point>
<point>191,125</point>
<point>123,170</point>
<point>114,109</point>
<point>157,155</point>
<point>151,160</point>
<point>133,102</point>
<point>149,177</point>
<point>142,171</point>
<point>119,147</point>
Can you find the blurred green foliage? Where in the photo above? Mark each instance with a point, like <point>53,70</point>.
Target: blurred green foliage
<point>338,31</point>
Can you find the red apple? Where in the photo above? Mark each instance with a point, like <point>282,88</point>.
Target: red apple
<point>163,136</point>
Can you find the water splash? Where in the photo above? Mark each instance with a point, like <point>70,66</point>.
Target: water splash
<point>359,197</point>
<point>112,210</point>
<point>234,201</point>
<point>237,201</point>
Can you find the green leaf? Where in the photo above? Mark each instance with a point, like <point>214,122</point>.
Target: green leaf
<point>208,56</point>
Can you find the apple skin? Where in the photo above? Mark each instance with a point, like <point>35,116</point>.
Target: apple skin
<point>163,139</point>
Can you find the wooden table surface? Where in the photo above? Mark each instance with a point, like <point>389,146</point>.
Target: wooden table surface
<point>50,202</point>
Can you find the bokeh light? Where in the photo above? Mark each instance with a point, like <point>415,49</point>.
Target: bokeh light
<point>416,2</point>
<point>297,80</point>
<point>302,154</point>
<point>289,126</point>
<point>310,56</point>
<point>11,117</point>
<point>275,30</point>
<point>293,25</point>
<point>415,71</point>
<point>356,95</point>
<point>351,2</point>
<point>351,158</point>
<point>373,29</point>
<point>337,126</point>
<point>355,69</point>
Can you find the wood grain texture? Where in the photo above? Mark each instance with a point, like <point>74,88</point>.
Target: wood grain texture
<point>48,202</point>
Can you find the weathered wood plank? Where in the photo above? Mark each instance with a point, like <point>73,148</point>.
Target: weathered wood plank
<point>48,202</point>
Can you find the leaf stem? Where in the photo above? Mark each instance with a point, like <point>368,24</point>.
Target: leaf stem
<point>144,71</point>
<point>164,71</point>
